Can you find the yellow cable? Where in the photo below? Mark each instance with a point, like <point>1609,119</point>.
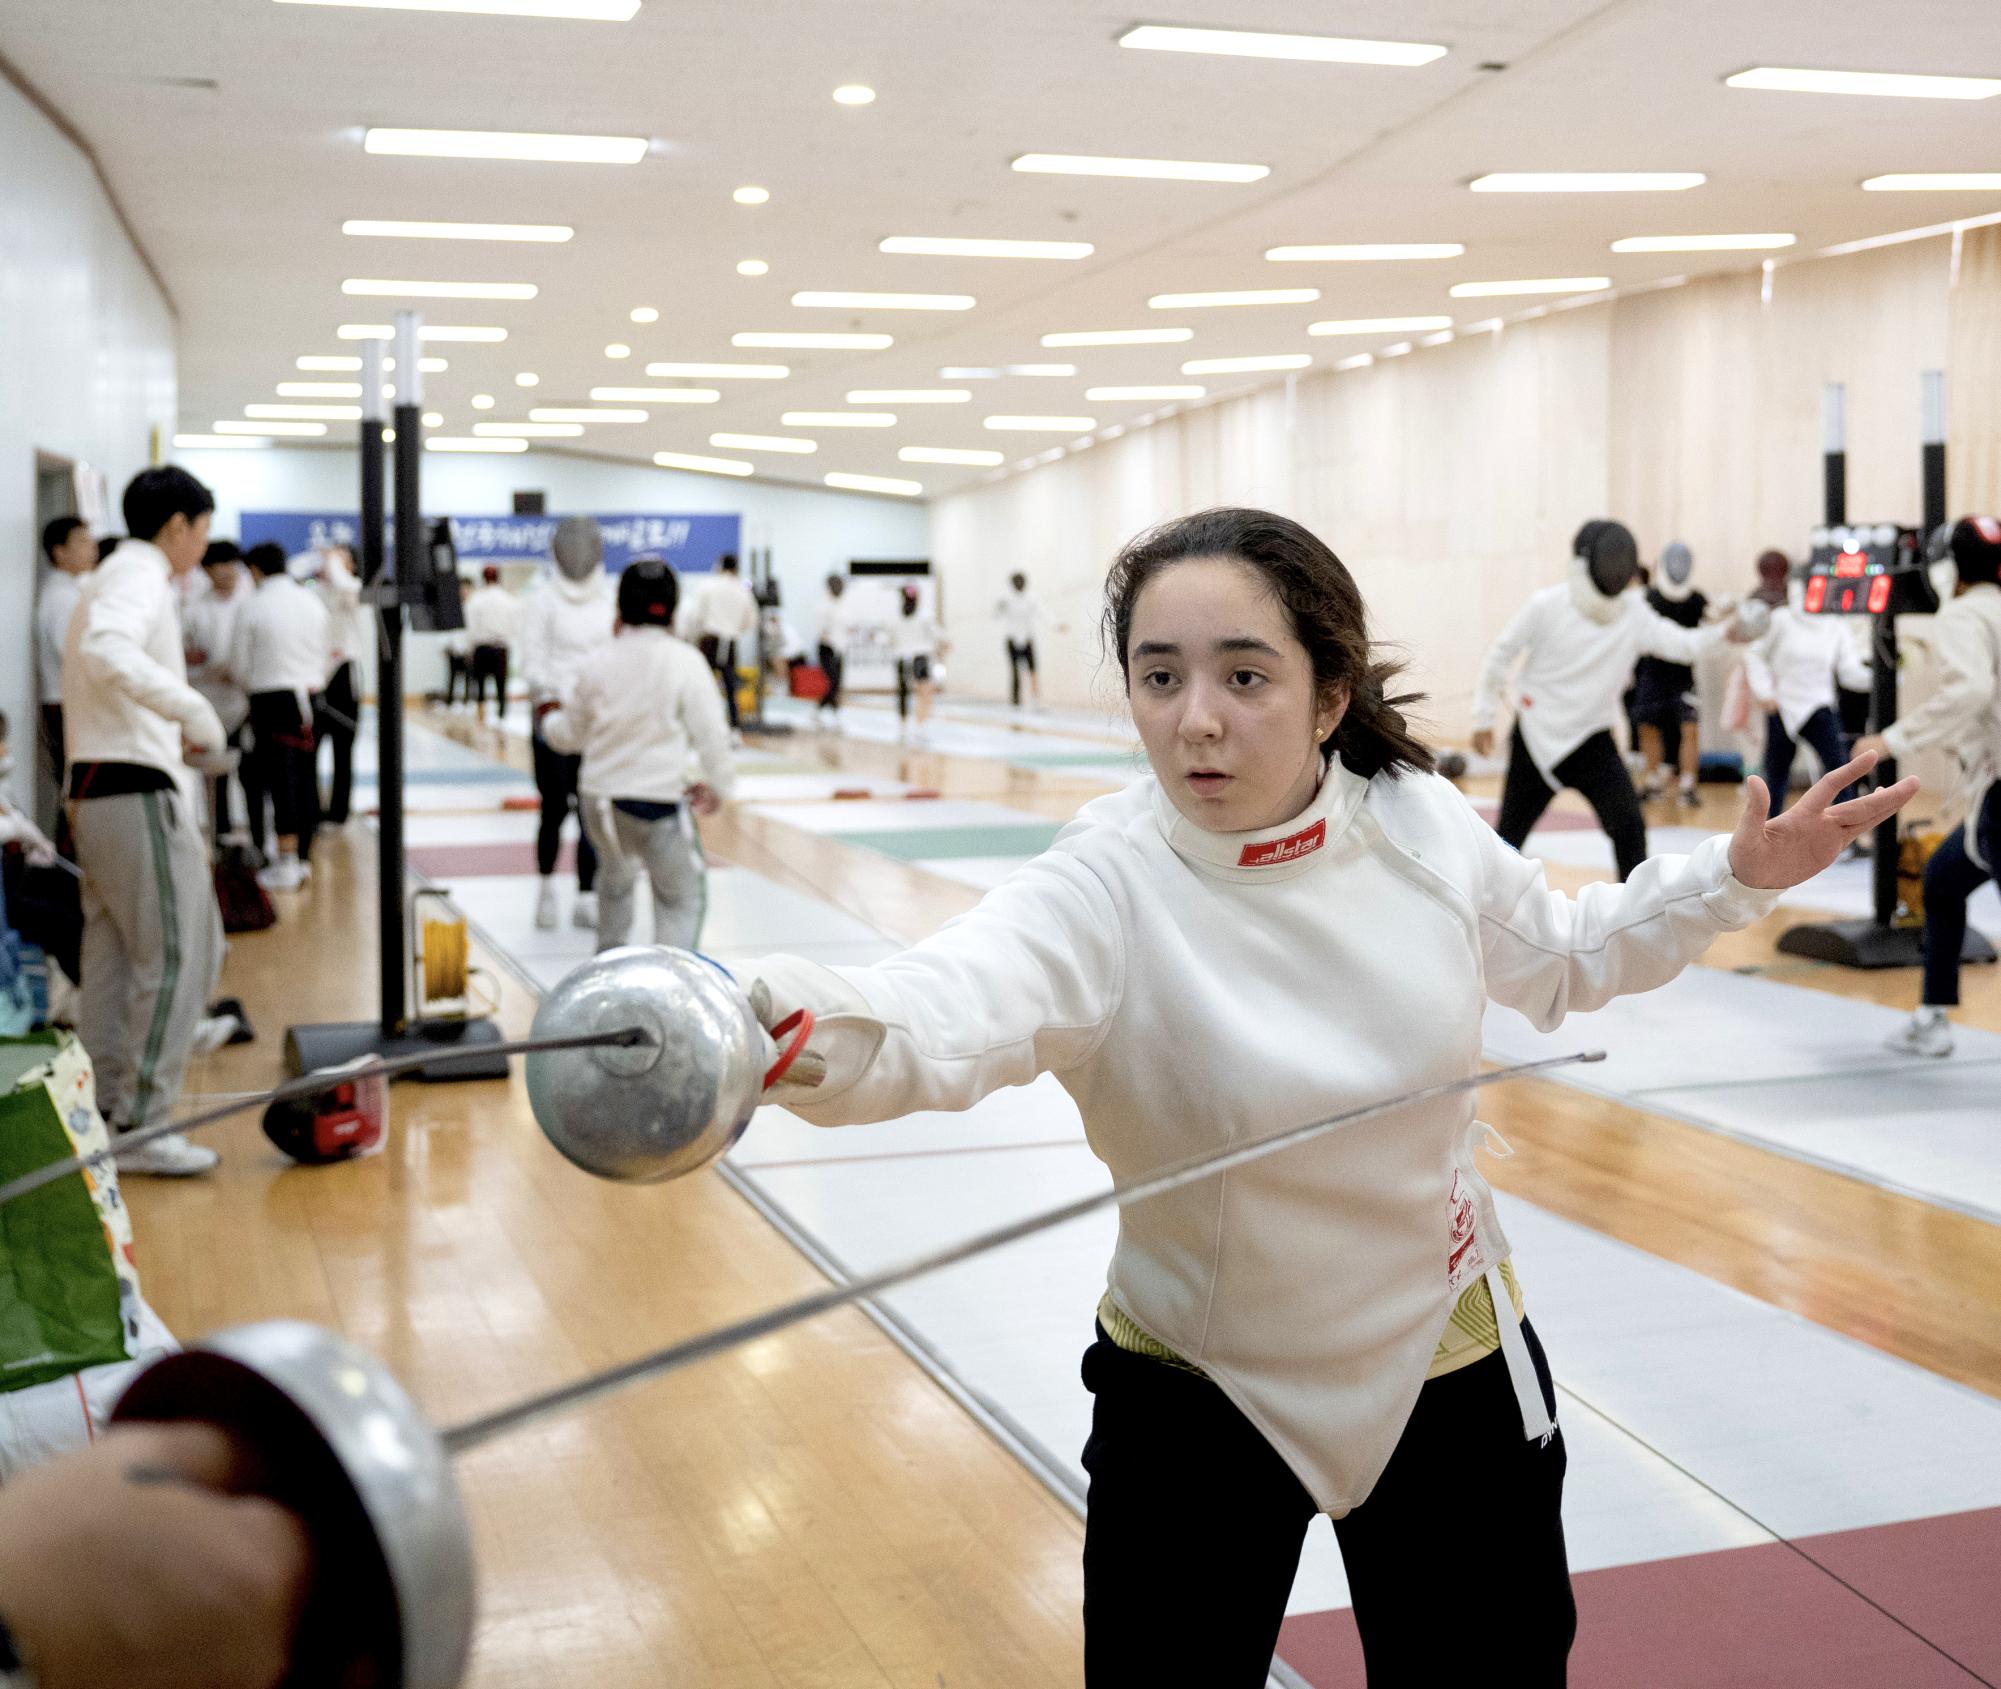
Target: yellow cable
<point>445,960</point>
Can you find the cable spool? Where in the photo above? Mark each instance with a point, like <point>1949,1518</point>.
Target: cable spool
<point>443,958</point>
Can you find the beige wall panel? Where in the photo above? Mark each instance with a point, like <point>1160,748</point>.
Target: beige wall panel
<point>1973,389</point>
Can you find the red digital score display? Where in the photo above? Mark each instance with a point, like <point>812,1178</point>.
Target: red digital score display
<point>1816,595</point>
<point>1850,565</point>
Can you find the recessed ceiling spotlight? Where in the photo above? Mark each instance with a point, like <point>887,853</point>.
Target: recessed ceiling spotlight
<point>286,430</point>
<point>1895,84</point>
<point>1378,252</point>
<point>825,342</point>
<point>1264,44</point>
<point>1587,181</point>
<point>472,443</point>
<point>482,401</point>
<point>838,419</point>
<point>752,267</point>
<point>644,314</point>
<point>369,287</point>
<point>703,465</point>
<point>1240,296</point>
<point>433,419</point>
<point>581,11</point>
<point>1544,284</point>
<point>503,144</point>
<point>886,301</point>
<point>724,372</point>
<point>764,443</point>
<point>1246,366</point>
<point>874,484</point>
<point>853,94</point>
<point>527,378</point>
<point>956,246</point>
<point>1380,325</point>
<point>549,232</point>
<point>1156,169</point>
<point>1041,424</point>
<point>1125,394</point>
<point>751,194</point>
<point>658,395</point>
<point>618,349</point>
<point>909,396</point>
<point>1703,243</point>
<point>1936,181</point>
<point>1118,337</point>
<point>950,454</point>
<point>429,331</point>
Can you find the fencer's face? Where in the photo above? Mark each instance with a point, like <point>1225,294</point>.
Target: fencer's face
<point>184,542</point>
<point>1224,697</point>
<point>77,555</point>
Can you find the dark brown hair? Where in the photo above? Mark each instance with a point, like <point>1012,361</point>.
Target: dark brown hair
<point>1322,604</point>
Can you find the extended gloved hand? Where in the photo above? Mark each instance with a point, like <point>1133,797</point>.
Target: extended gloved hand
<point>788,1061</point>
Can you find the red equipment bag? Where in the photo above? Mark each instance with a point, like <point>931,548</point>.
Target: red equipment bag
<point>809,681</point>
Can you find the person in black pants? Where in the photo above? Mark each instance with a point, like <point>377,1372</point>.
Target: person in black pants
<point>1172,1460</point>
<point>334,714</point>
<point>1595,769</point>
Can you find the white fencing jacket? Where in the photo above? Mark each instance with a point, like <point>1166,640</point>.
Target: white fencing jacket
<point>564,624</point>
<point>493,616</point>
<point>126,696</point>
<point>1019,613</point>
<point>1795,663</point>
<point>834,623</point>
<point>635,712</point>
<point>350,623</point>
<point>208,625</point>
<point>283,641</point>
<point>1576,667</point>
<point>53,607</point>
<point>1193,989</point>
<point>725,609</point>
<point>1964,713</point>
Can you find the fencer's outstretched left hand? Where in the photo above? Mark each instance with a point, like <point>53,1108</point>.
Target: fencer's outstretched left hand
<point>1773,855</point>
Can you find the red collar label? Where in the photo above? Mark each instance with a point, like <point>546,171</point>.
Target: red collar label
<point>1288,849</point>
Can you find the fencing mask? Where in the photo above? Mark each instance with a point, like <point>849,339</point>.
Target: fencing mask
<point>1609,554</point>
<point>579,547</point>
<point>1677,565</point>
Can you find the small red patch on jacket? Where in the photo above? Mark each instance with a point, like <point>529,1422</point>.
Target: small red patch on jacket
<point>1528,703</point>
<point>1288,849</point>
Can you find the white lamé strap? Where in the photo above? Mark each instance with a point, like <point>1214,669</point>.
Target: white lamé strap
<point>1537,1426</point>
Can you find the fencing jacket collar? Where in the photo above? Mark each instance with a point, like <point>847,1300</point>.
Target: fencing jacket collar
<point>1267,853</point>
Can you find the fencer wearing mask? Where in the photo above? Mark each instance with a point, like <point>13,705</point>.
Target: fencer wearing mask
<point>1963,717</point>
<point>1665,705</point>
<point>1792,669</point>
<point>565,622</point>
<point>1577,644</point>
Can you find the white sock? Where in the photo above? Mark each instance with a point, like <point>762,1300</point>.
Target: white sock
<point>1688,782</point>
<point>1930,1014</point>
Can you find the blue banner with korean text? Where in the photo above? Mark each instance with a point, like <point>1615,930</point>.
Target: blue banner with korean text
<point>690,544</point>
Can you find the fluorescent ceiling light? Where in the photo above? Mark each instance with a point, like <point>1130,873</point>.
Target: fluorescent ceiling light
<point>373,289</point>
<point>527,430</point>
<point>888,301</point>
<point>1380,252</point>
<point>751,195</point>
<point>618,349</point>
<point>1587,181</point>
<point>874,484</point>
<point>724,372</point>
<point>317,413</point>
<point>909,396</point>
<point>1444,337</point>
<point>433,419</point>
<point>319,389</point>
<point>1119,337</point>
<point>582,11</point>
<point>1544,284</point>
<point>463,443</point>
<point>1041,369</point>
<point>829,342</point>
<point>1125,393</point>
<point>1702,243</point>
<point>429,331</point>
<point>218,442</point>
<point>951,454</point>
<point>1158,169</point>
<point>1262,44</point>
<point>1398,350</point>
<point>967,372</point>
<point>1240,296</point>
<point>703,465</point>
<point>288,430</point>
<point>1936,181</point>
<point>752,267</point>
<point>1778,79</point>
<point>658,395</point>
<point>1042,424</point>
<point>527,378</point>
<point>551,232</point>
<point>497,143</point>
<point>1380,325</point>
<point>644,314</point>
<point>1244,366</point>
<point>955,246</point>
<point>764,443</point>
<point>1361,360</point>
<point>330,364</point>
<point>584,413</point>
<point>838,419</point>
<point>854,94</point>
<point>482,401</point>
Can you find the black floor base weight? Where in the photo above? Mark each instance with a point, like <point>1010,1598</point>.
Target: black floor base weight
<point>1871,944</point>
<point>460,1044</point>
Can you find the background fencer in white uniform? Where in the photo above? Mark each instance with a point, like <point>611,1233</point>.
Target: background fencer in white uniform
<point>1576,645</point>
<point>1791,670</point>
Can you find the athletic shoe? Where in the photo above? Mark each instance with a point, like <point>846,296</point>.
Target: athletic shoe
<point>584,913</point>
<point>245,1033</point>
<point>169,1157</point>
<point>545,906</point>
<point>214,1031</point>
<point>286,874</point>
<point>1922,1035</point>
<point>1690,798</point>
